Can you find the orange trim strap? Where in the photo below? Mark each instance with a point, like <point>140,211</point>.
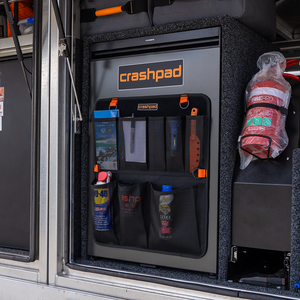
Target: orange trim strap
<point>194,111</point>
<point>184,99</point>
<point>96,169</point>
<point>131,8</point>
<point>113,102</point>
<point>202,173</point>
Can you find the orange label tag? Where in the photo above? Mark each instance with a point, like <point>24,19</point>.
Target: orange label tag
<point>147,106</point>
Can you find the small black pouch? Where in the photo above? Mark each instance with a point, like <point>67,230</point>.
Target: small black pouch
<point>174,145</point>
<point>173,222</point>
<point>195,142</point>
<point>132,226</point>
<point>104,199</point>
<point>132,143</point>
<point>156,142</point>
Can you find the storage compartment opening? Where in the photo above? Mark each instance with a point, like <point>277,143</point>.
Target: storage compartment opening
<point>199,74</point>
<point>23,17</point>
<point>263,218</point>
<point>259,267</point>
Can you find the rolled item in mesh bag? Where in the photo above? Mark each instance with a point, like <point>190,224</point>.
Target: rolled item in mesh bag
<point>267,99</point>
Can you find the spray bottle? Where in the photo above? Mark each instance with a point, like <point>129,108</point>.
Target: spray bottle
<point>165,220</point>
<point>102,198</point>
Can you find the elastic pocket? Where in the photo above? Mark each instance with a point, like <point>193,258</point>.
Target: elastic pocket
<point>174,147</point>
<point>156,144</point>
<point>131,204</point>
<point>132,144</point>
<point>173,222</point>
<point>104,197</point>
<point>106,143</point>
<point>195,142</point>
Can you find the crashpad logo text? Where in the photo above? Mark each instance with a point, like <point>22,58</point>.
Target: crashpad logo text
<point>151,75</point>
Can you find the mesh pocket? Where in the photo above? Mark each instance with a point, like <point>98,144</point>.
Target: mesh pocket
<point>106,143</point>
<point>132,227</point>
<point>173,224</point>
<point>174,149</point>
<point>102,210</point>
<point>156,138</point>
<point>132,144</point>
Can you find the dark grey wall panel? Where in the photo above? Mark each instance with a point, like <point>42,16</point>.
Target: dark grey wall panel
<point>256,224</point>
<point>15,157</point>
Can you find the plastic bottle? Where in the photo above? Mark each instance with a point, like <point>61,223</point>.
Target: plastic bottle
<point>165,219</point>
<point>26,25</point>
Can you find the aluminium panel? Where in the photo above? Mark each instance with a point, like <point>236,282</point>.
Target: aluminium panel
<point>201,68</point>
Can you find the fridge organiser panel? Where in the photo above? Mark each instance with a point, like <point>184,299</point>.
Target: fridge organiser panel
<point>154,195</point>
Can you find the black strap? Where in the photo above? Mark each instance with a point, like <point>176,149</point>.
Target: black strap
<point>16,17</point>
<point>163,2</point>
<point>282,109</point>
<point>60,26</point>
<point>16,12</point>
<point>135,6</point>
<point>131,7</point>
<point>260,135</point>
<point>88,15</point>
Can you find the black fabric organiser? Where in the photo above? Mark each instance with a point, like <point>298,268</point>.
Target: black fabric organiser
<point>136,187</point>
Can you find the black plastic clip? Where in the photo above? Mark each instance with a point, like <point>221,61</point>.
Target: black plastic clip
<point>260,135</point>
